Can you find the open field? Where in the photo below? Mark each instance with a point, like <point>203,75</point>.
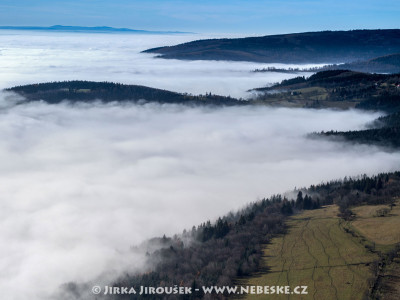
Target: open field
<point>316,97</point>
<point>317,252</point>
<point>381,230</point>
<point>385,233</point>
<point>292,102</point>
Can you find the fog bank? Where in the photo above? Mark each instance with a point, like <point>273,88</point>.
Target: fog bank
<point>32,57</point>
<point>82,183</point>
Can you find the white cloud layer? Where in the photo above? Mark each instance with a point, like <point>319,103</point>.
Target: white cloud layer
<point>42,57</point>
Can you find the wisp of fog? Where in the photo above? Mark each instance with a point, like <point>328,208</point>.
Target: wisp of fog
<point>81,184</point>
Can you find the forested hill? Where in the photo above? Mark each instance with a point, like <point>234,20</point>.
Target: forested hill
<point>86,91</point>
<point>336,89</point>
<point>388,64</point>
<point>309,47</point>
<point>385,131</point>
<point>382,64</point>
<point>344,89</point>
<point>222,252</point>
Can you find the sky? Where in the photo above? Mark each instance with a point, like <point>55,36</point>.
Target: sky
<point>222,16</point>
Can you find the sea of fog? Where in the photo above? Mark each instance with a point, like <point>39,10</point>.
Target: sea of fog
<point>41,57</point>
<point>80,184</point>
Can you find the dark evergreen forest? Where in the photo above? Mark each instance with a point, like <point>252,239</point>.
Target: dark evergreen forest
<point>87,91</point>
<point>306,47</point>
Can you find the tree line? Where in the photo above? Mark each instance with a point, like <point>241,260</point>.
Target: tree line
<point>86,91</point>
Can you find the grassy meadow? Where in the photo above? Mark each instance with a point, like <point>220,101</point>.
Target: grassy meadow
<point>331,256</point>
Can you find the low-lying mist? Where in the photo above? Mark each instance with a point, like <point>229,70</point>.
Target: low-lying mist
<point>42,57</point>
<point>81,184</point>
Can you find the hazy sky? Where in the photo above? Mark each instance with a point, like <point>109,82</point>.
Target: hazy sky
<point>233,16</point>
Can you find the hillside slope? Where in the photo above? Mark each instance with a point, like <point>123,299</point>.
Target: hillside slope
<point>317,249</point>
<point>87,91</point>
<point>335,259</point>
<point>383,64</point>
<point>317,253</point>
<point>389,64</point>
<point>309,47</point>
<point>384,132</point>
<point>336,88</point>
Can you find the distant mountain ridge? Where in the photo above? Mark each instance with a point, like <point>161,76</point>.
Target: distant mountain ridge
<point>307,47</point>
<point>88,29</point>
